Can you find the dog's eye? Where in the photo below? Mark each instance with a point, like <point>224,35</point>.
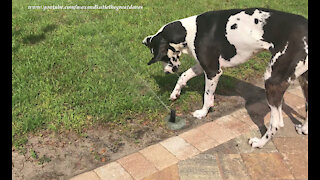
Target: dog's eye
<point>174,59</point>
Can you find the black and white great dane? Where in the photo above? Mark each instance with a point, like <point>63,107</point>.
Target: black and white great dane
<point>227,38</point>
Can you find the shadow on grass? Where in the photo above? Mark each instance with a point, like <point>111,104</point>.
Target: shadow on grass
<point>254,96</point>
<point>33,39</point>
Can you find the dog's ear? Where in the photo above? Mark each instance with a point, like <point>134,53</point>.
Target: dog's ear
<point>146,41</point>
<point>160,51</point>
<point>153,60</point>
<point>157,58</point>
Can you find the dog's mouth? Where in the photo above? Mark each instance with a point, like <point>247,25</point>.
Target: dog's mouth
<point>174,69</point>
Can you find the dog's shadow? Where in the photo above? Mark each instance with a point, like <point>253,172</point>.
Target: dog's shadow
<point>254,96</point>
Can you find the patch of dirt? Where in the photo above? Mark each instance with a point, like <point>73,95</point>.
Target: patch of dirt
<point>62,156</point>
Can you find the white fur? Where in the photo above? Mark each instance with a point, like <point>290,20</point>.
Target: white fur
<point>247,37</point>
<point>184,78</point>
<point>302,66</point>
<point>210,89</point>
<point>191,27</point>
<point>267,74</point>
<point>275,122</point>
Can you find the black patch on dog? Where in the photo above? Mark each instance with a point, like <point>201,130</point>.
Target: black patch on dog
<point>174,32</point>
<point>234,26</point>
<point>256,21</point>
<point>211,42</point>
<point>267,136</point>
<point>293,29</point>
<point>172,48</point>
<point>291,26</point>
<point>249,11</point>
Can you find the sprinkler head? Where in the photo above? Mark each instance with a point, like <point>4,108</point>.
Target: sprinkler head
<point>174,122</point>
<point>172,116</point>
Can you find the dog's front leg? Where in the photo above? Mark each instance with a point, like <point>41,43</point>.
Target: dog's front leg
<point>210,89</point>
<point>184,78</point>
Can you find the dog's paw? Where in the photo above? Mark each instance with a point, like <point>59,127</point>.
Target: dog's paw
<point>281,124</point>
<point>256,142</point>
<point>174,95</point>
<point>302,129</point>
<point>199,113</point>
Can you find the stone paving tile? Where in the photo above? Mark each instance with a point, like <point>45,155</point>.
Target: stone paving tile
<point>233,167</point>
<point>217,132</point>
<point>266,166</point>
<point>202,166</point>
<point>112,171</point>
<point>298,164</point>
<point>234,124</point>
<point>137,165</point>
<point>199,139</point>
<point>85,176</point>
<point>229,147</point>
<point>243,116</point>
<point>296,91</point>
<point>169,173</point>
<point>159,156</point>
<point>292,145</point>
<point>295,154</point>
<point>179,147</point>
<point>293,101</point>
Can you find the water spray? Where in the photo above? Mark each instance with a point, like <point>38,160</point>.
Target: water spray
<point>173,122</point>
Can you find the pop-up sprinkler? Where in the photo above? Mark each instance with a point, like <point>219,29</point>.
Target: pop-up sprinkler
<point>175,122</point>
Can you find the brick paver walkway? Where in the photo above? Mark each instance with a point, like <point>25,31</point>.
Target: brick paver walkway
<point>219,150</point>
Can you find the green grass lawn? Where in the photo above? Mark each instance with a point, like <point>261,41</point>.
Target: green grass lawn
<point>69,67</point>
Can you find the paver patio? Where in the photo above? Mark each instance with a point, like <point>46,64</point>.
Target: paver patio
<point>220,150</point>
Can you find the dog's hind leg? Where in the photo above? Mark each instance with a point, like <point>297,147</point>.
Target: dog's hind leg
<point>288,62</point>
<point>184,78</point>
<point>276,84</point>
<point>275,94</point>
<point>303,80</point>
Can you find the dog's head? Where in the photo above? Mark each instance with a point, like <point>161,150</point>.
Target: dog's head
<point>168,53</point>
